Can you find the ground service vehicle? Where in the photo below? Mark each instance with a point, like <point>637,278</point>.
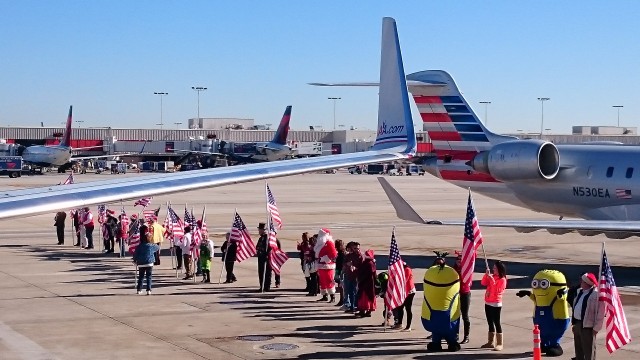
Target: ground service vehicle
<point>11,165</point>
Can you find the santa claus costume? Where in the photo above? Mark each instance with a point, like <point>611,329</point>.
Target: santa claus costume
<point>326,254</point>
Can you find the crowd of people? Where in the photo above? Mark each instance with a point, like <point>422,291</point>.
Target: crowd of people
<point>333,267</point>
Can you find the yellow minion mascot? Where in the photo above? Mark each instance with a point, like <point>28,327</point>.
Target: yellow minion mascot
<point>441,308</point>
<point>551,313</point>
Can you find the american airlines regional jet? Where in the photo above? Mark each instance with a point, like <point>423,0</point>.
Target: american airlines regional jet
<point>596,182</point>
<point>395,143</point>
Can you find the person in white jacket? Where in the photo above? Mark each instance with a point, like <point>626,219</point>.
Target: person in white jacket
<point>586,322</point>
<point>185,245</point>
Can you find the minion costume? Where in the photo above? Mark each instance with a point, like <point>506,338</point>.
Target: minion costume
<point>441,308</point>
<point>551,313</point>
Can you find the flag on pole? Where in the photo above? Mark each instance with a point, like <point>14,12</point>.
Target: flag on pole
<point>190,220</point>
<point>617,334</point>
<point>134,236</point>
<point>124,224</point>
<point>239,234</point>
<point>277,257</point>
<point>68,181</point>
<point>102,213</point>
<point>176,225</point>
<point>150,214</point>
<point>396,286</point>
<point>144,202</point>
<point>472,240</point>
<point>273,208</point>
<point>204,229</point>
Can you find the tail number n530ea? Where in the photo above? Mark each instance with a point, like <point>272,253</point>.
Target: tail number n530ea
<point>590,192</point>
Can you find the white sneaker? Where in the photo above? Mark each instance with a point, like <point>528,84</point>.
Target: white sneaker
<point>138,292</point>
<point>148,292</point>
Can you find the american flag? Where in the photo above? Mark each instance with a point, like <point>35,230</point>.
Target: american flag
<point>69,180</point>
<point>616,322</point>
<point>396,285</point>
<point>144,202</point>
<point>273,208</point>
<point>239,234</point>
<point>277,257</point>
<point>102,213</point>
<point>124,224</point>
<point>623,194</point>
<point>472,240</point>
<point>149,214</point>
<point>134,236</point>
<point>204,229</point>
<point>175,224</point>
<point>190,220</point>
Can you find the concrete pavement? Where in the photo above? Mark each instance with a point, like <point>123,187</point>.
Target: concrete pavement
<point>62,302</point>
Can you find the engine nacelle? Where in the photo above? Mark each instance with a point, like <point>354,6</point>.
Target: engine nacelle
<point>519,160</point>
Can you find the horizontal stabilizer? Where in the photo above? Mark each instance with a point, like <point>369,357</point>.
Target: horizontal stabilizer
<point>611,229</point>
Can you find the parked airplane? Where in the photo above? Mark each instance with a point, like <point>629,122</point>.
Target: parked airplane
<point>276,149</point>
<point>396,142</point>
<point>59,155</point>
<point>592,181</point>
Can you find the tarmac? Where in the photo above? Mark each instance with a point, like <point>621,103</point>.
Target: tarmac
<point>63,302</point>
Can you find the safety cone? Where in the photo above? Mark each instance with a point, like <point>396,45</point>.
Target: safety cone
<point>537,353</point>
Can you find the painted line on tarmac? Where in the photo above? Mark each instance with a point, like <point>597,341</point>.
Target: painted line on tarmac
<point>21,345</point>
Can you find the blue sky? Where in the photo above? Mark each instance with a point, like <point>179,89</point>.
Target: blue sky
<point>256,57</point>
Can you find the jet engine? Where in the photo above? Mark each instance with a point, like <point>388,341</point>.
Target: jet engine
<point>520,160</point>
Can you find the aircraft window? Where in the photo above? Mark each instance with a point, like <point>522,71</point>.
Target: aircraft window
<point>610,171</point>
<point>629,173</point>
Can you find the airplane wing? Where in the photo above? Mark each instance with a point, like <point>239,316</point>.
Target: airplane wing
<point>100,156</point>
<point>611,229</point>
<point>197,152</point>
<point>397,141</point>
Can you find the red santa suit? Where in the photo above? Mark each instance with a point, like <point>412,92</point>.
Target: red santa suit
<point>326,254</point>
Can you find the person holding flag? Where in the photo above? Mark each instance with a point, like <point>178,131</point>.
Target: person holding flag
<point>277,257</point>
<point>157,233</point>
<point>465,265</point>
<point>585,324</point>
<point>206,255</point>
<point>264,266</point>
<point>229,254</point>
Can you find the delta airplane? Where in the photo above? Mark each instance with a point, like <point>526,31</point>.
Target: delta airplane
<point>276,149</point>
<point>397,142</point>
<point>596,182</point>
<point>56,155</point>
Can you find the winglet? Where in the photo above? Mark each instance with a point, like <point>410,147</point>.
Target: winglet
<point>283,129</point>
<point>66,138</point>
<point>404,211</point>
<point>395,125</point>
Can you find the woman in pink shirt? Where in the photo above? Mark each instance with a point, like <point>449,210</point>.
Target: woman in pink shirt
<point>496,283</point>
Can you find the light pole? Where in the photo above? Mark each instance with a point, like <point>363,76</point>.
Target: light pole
<point>178,125</point>
<point>161,95</point>
<point>618,107</point>
<point>542,100</point>
<point>486,104</point>
<point>334,109</point>
<point>198,89</point>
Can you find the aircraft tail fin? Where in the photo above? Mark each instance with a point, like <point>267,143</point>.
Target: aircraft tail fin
<point>395,125</point>
<point>453,127</point>
<point>66,137</point>
<point>283,129</point>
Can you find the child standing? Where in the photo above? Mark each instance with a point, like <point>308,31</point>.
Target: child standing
<point>206,254</point>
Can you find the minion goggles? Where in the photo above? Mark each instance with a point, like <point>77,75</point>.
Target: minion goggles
<point>544,284</point>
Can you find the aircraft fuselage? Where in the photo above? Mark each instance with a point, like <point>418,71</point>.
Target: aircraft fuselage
<point>595,182</point>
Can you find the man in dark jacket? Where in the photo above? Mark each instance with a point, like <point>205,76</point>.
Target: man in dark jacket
<point>112,228</point>
<point>263,250</point>
<point>59,220</point>
<point>229,251</point>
